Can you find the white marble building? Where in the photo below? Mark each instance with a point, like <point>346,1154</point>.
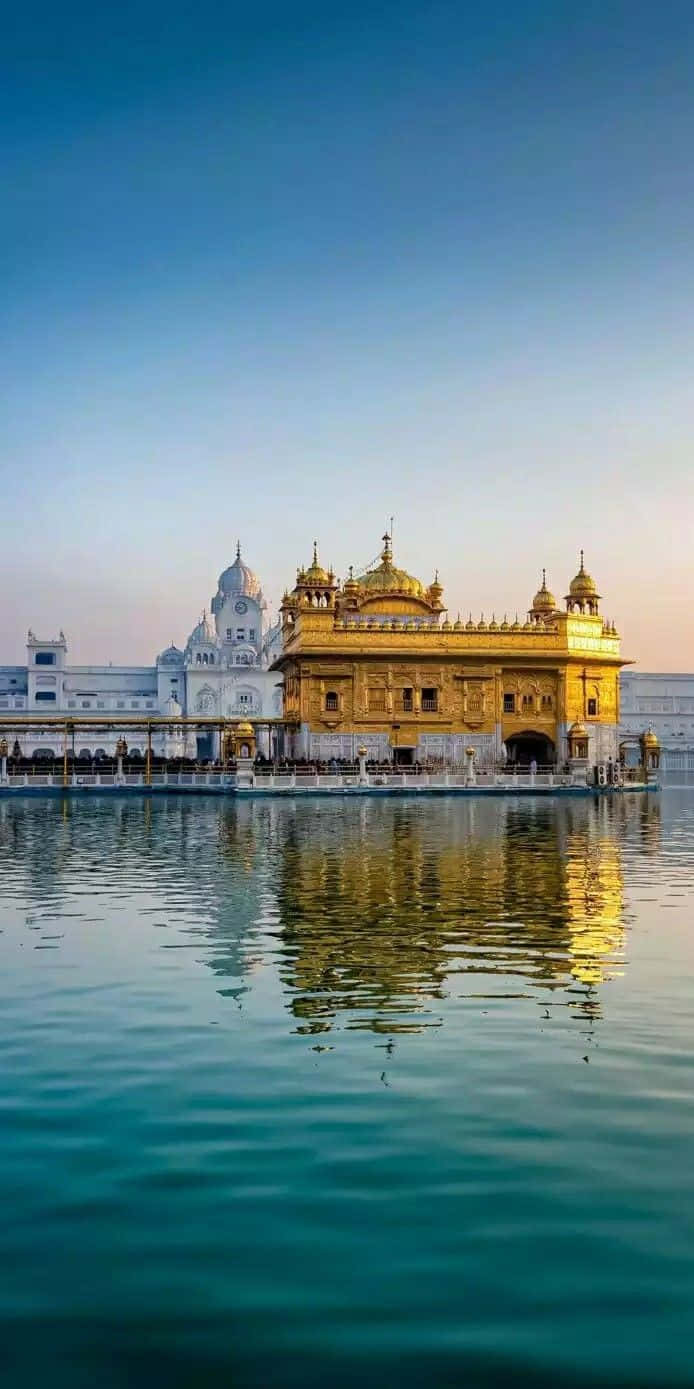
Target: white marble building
<point>222,669</point>
<point>666,703</point>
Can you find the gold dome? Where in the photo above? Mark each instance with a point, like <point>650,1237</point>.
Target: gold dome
<point>583,586</point>
<point>470,626</point>
<point>578,730</point>
<point>316,574</point>
<point>544,600</point>
<point>244,729</point>
<point>387,579</point>
<point>650,739</point>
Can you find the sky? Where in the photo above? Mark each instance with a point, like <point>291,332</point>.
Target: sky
<point>280,272</point>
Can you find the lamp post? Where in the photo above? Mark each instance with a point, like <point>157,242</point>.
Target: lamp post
<point>470,767</point>
<point>361,754</point>
<point>121,750</point>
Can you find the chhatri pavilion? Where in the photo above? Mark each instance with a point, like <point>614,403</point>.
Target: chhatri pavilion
<point>375,662</point>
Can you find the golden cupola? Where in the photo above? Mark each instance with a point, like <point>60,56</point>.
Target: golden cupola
<point>315,586</point>
<point>385,578</point>
<point>385,589</point>
<point>316,574</point>
<point>544,602</point>
<point>583,594</point>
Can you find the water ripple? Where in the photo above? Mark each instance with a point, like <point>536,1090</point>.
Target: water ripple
<point>307,1092</point>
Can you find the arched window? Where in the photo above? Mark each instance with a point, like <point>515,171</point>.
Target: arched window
<point>204,658</point>
<point>331,702</point>
<point>198,659</point>
<point>211,658</point>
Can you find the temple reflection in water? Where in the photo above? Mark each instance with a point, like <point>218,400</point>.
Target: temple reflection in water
<point>382,905</point>
<point>372,912</point>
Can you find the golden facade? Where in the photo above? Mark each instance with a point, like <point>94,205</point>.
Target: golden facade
<point>375,661</point>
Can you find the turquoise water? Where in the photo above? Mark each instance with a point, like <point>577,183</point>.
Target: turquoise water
<point>334,1093</point>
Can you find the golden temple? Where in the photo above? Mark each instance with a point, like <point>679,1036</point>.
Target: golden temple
<point>375,661</point>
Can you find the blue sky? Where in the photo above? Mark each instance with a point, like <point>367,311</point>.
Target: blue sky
<point>280,273</point>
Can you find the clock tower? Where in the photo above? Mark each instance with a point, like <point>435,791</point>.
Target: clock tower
<point>238,608</point>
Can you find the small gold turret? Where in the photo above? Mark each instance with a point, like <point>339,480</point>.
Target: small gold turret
<point>544,602</point>
<point>435,593</point>
<point>316,574</point>
<point>583,594</point>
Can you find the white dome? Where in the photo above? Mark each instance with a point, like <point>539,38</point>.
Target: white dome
<point>204,631</point>
<point>171,657</point>
<point>238,579</point>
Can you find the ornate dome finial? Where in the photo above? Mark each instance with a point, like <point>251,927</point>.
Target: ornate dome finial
<point>238,549</point>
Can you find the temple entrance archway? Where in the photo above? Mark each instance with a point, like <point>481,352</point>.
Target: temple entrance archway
<point>524,748</point>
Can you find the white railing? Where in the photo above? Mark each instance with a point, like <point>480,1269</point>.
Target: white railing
<point>308,779</point>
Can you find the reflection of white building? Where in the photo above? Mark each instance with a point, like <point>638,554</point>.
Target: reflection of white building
<point>666,702</point>
<point>222,670</point>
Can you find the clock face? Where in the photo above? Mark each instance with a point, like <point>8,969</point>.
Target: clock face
<point>241,607</point>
